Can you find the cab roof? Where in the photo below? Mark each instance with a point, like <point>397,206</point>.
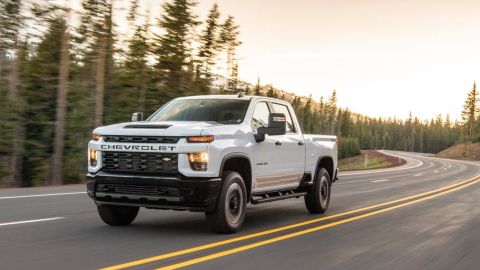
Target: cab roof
<point>238,96</point>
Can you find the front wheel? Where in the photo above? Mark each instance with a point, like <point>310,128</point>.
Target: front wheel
<point>117,215</point>
<point>318,196</point>
<point>229,212</point>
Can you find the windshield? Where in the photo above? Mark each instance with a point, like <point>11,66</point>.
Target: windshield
<point>224,111</point>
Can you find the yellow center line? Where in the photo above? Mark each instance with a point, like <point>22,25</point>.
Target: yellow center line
<point>275,230</point>
<point>306,231</point>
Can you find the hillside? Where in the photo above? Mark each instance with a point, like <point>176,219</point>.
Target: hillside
<point>463,151</point>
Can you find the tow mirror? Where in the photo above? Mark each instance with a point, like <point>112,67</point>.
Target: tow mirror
<point>277,125</point>
<point>136,117</point>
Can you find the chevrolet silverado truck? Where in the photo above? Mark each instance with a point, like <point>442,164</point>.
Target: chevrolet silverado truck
<point>213,154</point>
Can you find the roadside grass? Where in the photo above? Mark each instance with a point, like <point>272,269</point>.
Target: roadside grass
<point>369,159</point>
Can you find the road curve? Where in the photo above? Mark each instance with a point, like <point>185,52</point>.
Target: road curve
<point>422,216</point>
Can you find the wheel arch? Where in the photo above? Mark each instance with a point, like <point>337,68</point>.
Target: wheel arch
<point>240,163</point>
<point>327,163</point>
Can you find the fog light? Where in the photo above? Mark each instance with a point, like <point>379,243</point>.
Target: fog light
<point>198,161</point>
<point>93,157</point>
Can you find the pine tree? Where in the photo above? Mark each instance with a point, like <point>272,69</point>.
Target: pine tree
<point>258,88</point>
<point>247,90</point>
<point>11,21</point>
<point>95,39</point>
<point>298,108</point>
<point>271,92</point>
<point>45,91</point>
<point>174,50</point>
<point>232,83</point>
<point>132,11</point>
<point>307,115</point>
<point>136,64</point>
<point>56,17</point>
<point>109,90</point>
<point>470,110</point>
<point>448,122</point>
<point>10,24</point>
<point>346,123</point>
<point>321,116</point>
<point>331,110</point>
<point>59,145</point>
<point>209,42</point>
<point>229,42</point>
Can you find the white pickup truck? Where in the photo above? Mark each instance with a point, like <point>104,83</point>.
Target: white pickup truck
<point>212,154</point>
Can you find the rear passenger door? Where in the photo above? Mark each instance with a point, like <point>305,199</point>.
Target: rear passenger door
<point>292,147</point>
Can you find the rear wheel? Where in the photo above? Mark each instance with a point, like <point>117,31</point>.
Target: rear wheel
<point>318,196</point>
<point>117,215</point>
<point>229,212</point>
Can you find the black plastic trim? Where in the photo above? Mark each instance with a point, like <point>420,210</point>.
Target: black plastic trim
<point>230,156</point>
<point>199,194</point>
<point>317,168</point>
<point>238,155</point>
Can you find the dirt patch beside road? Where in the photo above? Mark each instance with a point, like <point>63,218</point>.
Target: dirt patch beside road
<point>369,159</point>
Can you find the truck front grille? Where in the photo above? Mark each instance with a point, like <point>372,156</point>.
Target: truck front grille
<point>141,139</point>
<point>140,163</point>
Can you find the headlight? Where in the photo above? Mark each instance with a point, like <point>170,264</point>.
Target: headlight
<point>200,139</point>
<point>198,161</point>
<point>92,157</point>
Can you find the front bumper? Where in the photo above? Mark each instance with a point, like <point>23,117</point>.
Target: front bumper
<point>154,191</point>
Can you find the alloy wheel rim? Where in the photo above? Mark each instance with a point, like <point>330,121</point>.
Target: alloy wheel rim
<point>323,191</point>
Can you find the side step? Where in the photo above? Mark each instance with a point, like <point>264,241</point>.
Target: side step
<point>276,196</point>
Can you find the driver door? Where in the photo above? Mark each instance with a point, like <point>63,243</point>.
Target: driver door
<point>267,155</point>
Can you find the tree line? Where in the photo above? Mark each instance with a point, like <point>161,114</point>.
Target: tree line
<point>358,132</point>
<point>64,72</point>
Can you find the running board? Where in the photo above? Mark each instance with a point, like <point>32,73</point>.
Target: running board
<point>277,196</point>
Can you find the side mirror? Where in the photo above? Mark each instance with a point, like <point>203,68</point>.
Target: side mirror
<point>277,125</point>
<point>136,117</point>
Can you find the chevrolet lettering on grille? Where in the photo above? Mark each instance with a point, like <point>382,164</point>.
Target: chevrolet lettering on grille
<point>128,147</point>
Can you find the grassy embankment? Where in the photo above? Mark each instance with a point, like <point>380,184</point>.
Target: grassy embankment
<point>369,159</point>
<point>463,151</point>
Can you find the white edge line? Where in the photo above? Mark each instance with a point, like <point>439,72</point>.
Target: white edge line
<point>30,221</point>
<point>42,195</point>
<point>350,182</point>
<point>381,180</point>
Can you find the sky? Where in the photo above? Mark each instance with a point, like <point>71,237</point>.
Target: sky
<point>384,57</point>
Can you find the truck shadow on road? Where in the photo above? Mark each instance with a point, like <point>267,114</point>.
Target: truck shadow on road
<point>190,224</point>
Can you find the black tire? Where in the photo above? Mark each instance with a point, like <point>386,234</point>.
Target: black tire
<point>117,215</point>
<point>229,212</point>
<point>318,196</point>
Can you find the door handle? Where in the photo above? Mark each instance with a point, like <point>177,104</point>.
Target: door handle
<point>278,143</point>
<point>300,143</point>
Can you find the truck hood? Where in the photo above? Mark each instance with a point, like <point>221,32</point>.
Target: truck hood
<point>164,128</point>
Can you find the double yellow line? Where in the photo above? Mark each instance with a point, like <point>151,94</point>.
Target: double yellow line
<point>402,203</point>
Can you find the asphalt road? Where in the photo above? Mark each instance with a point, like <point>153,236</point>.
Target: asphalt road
<point>388,219</point>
